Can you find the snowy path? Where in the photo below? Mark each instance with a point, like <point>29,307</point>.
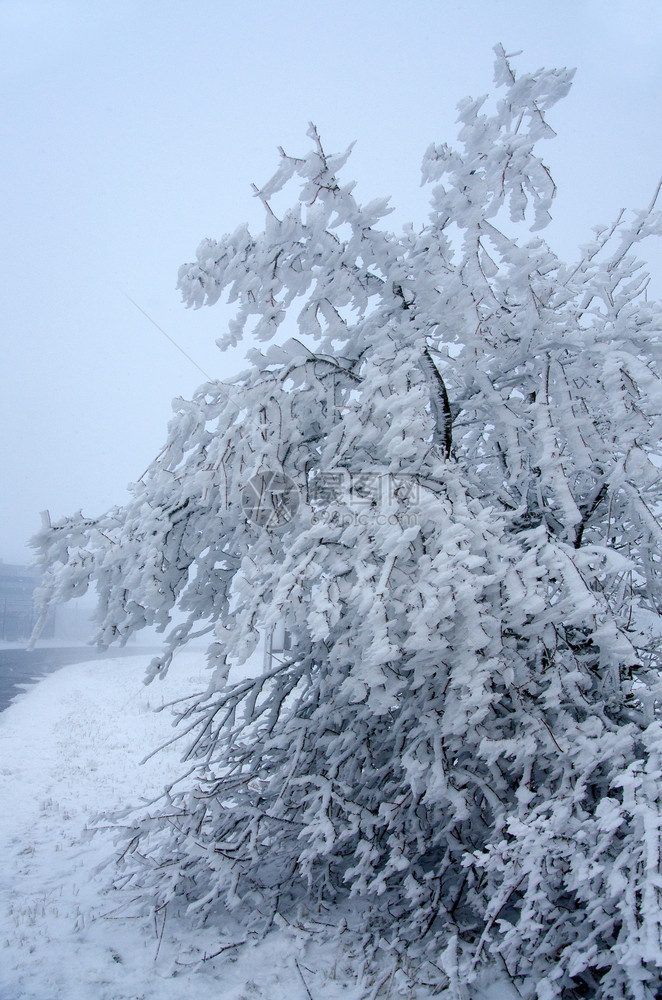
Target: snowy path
<point>69,748</point>
<point>20,667</point>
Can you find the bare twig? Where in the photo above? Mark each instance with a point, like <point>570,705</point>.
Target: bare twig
<point>165,917</point>
<point>208,958</point>
<point>310,995</point>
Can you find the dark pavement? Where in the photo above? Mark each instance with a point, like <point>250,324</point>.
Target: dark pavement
<point>20,667</point>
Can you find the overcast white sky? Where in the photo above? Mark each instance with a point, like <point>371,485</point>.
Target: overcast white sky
<point>131,129</point>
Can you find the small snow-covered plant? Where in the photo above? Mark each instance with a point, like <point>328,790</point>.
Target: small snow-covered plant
<point>464,738</point>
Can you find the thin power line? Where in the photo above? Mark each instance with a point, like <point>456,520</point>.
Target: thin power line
<point>222,388</point>
<point>167,335</point>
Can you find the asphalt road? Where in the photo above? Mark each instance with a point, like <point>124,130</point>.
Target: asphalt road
<point>20,667</point>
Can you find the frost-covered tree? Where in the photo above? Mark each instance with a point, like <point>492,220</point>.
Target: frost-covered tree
<point>464,738</point>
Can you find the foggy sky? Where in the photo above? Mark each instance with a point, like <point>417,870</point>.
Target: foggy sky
<point>131,130</point>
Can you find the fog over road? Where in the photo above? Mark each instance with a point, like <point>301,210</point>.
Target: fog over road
<point>20,667</point>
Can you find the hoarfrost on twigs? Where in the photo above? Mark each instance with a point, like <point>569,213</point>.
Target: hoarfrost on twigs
<point>464,734</point>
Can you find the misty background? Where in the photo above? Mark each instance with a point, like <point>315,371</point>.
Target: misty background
<point>131,130</point>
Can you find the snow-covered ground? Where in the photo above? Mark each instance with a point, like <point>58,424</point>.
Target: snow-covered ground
<point>71,747</point>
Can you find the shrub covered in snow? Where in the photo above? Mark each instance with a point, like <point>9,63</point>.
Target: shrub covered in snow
<point>463,539</point>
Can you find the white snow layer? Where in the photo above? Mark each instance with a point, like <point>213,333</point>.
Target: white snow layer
<point>70,747</point>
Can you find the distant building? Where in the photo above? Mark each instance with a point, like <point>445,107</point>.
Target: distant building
<point>277,645</point>
<point>17,611</point>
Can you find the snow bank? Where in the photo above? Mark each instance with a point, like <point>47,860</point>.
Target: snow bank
<point>71,747</point>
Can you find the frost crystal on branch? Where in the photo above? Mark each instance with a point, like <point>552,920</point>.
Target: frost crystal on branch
<point>464,737</point>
